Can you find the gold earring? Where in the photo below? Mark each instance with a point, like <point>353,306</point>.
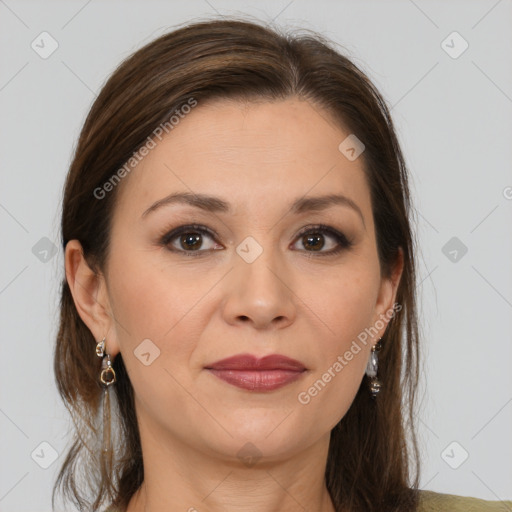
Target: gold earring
<point>107,375</point>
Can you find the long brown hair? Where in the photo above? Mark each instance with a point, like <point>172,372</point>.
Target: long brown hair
<point>373,459</point>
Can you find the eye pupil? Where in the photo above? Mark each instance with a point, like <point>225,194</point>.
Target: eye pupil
<point>190,241</point>
<point>312,239</point>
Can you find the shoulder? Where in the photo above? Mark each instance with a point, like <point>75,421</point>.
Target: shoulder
<point>431,501</point>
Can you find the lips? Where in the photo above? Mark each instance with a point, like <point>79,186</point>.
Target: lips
<point>248,372</point>
<point>250,362</point>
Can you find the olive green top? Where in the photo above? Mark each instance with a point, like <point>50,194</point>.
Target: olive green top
<point>438,502</point>
<point>431,501</point>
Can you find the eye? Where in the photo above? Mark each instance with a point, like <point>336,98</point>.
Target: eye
<point>314,238</point>
<point>189,240</point>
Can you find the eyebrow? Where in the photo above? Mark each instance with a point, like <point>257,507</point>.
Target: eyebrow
<point>217,205</point>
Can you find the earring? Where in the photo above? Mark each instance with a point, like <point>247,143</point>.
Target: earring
<point>371,370</point>
<point>107,378</point>
<point>107,375</point>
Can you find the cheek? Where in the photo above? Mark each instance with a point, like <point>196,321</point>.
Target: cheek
<point>345,308</point>
<point>345,305</point>
<point>164,306</point>
<point>151,301</point>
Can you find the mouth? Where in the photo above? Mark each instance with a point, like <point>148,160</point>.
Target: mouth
<point>246,371</point>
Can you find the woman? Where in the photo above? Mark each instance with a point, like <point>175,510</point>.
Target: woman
<point>239,294</point>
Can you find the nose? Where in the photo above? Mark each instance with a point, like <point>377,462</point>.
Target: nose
<point>260,293</point>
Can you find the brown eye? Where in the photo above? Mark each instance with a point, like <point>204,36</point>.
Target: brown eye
<point>313,240</point>
<point>189,240</point>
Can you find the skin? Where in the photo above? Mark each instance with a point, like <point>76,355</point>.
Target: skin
<point>291,300</point>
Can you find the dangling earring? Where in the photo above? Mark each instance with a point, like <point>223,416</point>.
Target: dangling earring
<point>371,370</point>
<point>108,375</point>
<point>107,378</point>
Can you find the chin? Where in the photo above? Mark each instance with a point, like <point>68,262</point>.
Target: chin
<point>259,436</point>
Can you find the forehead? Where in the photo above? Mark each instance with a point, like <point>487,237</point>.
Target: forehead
<point>252,153</point>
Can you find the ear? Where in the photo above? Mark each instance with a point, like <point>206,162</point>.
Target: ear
<point>384,309</point>
<point>90,296</point>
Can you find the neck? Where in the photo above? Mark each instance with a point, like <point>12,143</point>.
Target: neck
<point>181,477</point>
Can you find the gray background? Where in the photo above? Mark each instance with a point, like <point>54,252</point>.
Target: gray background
<point>455,124</point>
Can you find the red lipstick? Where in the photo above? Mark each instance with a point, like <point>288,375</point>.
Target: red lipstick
<point>266,374</point>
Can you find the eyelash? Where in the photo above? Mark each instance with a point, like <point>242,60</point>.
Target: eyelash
<point>343,242</point>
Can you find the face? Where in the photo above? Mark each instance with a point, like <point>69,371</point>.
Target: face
<point>193,282</point>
